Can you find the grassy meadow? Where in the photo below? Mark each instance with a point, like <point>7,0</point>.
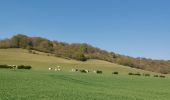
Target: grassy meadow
<point>41,84</point>
<point>38,85</point>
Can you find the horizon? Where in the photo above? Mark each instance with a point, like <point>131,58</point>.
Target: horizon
<point>132,28</point>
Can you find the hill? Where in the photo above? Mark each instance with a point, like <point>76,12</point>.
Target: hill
<point>83,52</point>
<point>41,84</point>
<point>42,61</point>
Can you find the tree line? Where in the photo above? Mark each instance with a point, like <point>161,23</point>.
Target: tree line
<point>83,52</point>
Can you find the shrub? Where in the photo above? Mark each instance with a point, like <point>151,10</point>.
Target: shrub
<point>80,56</point>
<point>130,74</point>
<point>28,67</point>
<point>24,67</point>
<point>116,73</point>
<point>83,71</point>
<point>155,76</point>
<point>137,74</point>
<point>99,72</point>
<point>5,66</point>
<point>161,76</point>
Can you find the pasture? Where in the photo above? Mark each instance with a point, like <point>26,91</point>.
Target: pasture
<point>46,85</point>
<point>42,62</point>
<point>41,84</point>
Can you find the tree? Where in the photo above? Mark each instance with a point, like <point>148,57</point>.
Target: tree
<point>80,56</point>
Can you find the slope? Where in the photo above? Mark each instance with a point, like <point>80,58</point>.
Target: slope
<point>42,61</point>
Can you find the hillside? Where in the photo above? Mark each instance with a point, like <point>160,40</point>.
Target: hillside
<point>42,61</point>
<point>82,52</point>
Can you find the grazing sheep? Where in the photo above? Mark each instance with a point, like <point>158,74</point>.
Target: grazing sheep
<point>59,69</point>
<point>74,70</point>
<point>55,69</point>
<point>94,71</point>
<point>14,67</point>
<point>87,71</point>
<point>58,66</point>
<point>50,68</point>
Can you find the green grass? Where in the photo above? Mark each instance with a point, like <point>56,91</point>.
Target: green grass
<point>40,85</point>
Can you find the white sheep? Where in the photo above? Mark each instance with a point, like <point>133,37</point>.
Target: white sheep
<point>50,68</point>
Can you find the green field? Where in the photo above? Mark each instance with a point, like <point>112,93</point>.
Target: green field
<point>41,84</point>
<point>38,85</point>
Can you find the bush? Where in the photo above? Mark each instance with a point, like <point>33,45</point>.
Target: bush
<point>155,76</point>
<point>99,72</point>
<point>130,74</point>
<point>116,73</point>
<point>137,74</point>
<point>83,71</point>
<point>5,66</point>
<point>161,76</point>
<point>24,67</point>
<point>80,56</point>
<point>28,67</point>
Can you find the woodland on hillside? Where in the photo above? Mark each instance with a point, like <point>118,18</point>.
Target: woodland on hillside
<point>83,52</point>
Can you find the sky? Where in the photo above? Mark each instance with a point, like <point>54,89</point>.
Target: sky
<point>138,28</point>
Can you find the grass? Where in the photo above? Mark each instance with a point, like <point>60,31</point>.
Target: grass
<point>41,84</point>
<point>43,62</point>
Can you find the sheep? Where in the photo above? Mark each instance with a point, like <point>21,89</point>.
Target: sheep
<point>59,69</point>
<point>58,66</point>
<point>50,68</point>
<point>74,70</point>
<point>87,71</point>
<point>94,71</point>
<point>55,69</point>
<point>14,67</point>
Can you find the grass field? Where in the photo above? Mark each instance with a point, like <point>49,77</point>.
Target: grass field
<point>41,84</point>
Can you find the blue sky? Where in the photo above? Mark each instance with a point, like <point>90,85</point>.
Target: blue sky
<point>139,28</point>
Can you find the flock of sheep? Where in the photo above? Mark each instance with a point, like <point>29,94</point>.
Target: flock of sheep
<point>58,68</point>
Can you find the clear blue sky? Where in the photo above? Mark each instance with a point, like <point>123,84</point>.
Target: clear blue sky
<point>131,27</point>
